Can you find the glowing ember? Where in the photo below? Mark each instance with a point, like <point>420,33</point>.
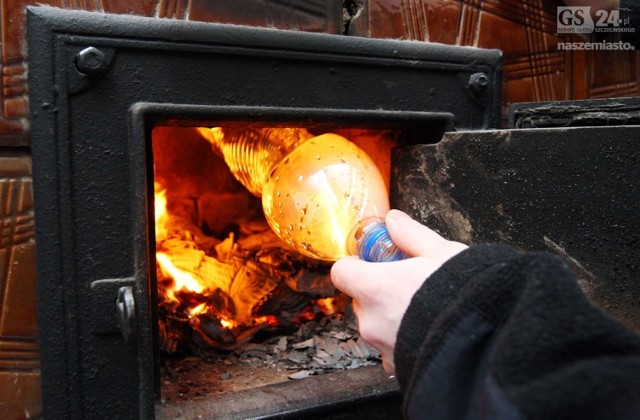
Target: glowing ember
<point>198,310</point>
<point>227,324</point>
<point>328,306</point>
<point>267,320</point>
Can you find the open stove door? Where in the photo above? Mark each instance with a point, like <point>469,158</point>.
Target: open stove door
<point>565,178</point>
<point>98,84</point>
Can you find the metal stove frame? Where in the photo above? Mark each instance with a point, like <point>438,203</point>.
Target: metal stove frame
<point>99,83</point>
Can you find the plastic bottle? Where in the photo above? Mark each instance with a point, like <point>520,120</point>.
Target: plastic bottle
<point>322,195</point>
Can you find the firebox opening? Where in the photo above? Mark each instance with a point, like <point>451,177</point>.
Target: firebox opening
<point>237,307</point>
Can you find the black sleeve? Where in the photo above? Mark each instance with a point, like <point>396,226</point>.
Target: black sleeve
<point>499,334</point>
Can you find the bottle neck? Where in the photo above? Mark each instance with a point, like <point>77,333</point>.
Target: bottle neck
<point>371,242</point>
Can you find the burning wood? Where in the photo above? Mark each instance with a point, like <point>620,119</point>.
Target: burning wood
<point>221,297</point>
<point>225,280</point>
<point>248,308</point>
<point>217,293</point>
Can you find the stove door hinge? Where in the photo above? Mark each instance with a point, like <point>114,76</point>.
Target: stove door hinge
<point>114,307</point>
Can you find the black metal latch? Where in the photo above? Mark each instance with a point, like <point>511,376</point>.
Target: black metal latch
<point>115,307</point>
<point>126,310</point>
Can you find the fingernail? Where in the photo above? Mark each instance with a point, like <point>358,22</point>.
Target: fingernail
<point>397,215</point>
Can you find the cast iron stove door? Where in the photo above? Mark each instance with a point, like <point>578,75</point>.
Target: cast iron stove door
<point>565,179</point>
<point>99,83</point>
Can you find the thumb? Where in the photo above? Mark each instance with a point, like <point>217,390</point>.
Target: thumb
<point>411,236</point>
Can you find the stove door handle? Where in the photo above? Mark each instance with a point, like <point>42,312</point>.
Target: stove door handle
<point>113,305</point>
<point>126,309</point>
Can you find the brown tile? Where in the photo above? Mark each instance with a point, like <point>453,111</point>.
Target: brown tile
<point>380,19</point>
<point>138,7</point>
<point>443,18</point>
<point>18,317</point>
<point>498,32</point>
<point>17,248</point>
<point>20,395</point>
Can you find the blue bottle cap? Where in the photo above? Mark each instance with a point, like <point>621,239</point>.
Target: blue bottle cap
<point>375,244</point>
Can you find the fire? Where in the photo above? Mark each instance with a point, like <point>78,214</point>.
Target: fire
<point>198,309</point>
<point>267,320</point>
<point>160,209</point>
<point>223,289</point>
<point>228,324</point>
<point>188,275</point>
<point>328,306</point>
<point>182,278</point>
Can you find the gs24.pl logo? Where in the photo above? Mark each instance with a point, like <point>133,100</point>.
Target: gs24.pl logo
<point>573,19</point>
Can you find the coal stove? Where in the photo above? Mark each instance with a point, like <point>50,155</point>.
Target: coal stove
<point>101,84</point>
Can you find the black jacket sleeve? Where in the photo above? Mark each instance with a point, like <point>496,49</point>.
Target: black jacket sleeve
<point>499,334</point>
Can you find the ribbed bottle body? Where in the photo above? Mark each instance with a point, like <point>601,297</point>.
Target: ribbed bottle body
<point>251,153</point>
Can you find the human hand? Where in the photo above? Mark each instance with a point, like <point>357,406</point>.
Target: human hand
<point>382,291</point>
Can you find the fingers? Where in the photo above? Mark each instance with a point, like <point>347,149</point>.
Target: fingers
<point>343,278</point>
<point>410,235</point>
<point>389,365</point>
<point>338,270</point>
<point>382,291</point>
<point>370,282</point>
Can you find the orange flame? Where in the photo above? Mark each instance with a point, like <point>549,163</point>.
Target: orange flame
<point>228,324</point>
<point>328,305</point>
<point>160,209</point>
<point>182,278</point>
<point>267,320</point>
<point>201,277</point>
<point>190,269</point>
<point>198,309</point>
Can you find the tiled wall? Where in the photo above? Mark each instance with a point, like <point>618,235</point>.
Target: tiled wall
<point>534,70</point>
<point>19,376</point>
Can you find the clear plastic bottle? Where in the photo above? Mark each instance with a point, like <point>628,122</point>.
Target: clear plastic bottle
<point>322,195</point>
